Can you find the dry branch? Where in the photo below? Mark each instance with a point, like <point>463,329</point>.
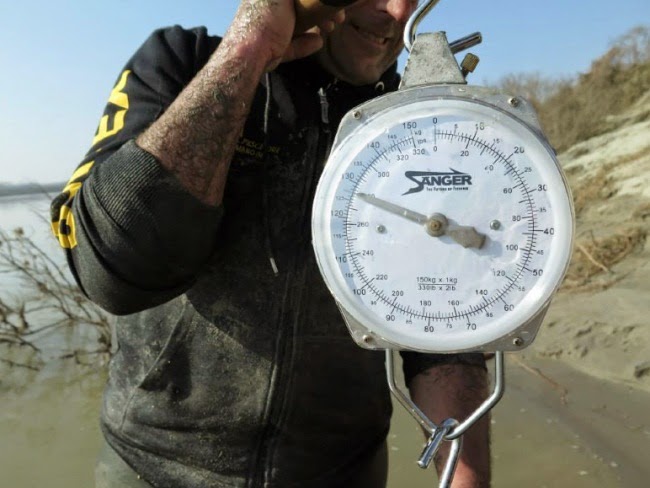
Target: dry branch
<point>50,305</point>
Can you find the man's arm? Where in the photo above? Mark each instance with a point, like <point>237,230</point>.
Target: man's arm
<point>195,138</point>
<point>456,390</point>
<point>139,220</point>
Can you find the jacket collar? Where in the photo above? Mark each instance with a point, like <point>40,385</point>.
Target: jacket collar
<point>311,75</point>
<point>305,77</point>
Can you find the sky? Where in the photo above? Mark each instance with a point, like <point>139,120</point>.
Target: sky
<point>60,59</point>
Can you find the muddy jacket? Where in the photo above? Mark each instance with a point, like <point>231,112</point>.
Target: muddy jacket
<point>226,374</point>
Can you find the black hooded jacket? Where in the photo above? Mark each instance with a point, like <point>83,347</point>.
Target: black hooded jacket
<point>226,373</point>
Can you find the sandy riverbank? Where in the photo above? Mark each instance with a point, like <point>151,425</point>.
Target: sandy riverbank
<point>555,427</point>
<point>600,321</point>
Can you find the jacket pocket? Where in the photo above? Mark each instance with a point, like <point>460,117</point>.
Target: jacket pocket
<point>160,372</point>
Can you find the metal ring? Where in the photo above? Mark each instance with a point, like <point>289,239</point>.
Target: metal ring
<point>459,430</point>
<point>414,20</point>
<point>448,472</point>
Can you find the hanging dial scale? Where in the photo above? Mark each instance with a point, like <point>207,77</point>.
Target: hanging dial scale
<point>442,222</point>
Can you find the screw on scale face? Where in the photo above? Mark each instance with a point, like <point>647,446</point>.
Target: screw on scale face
<point>381,229</point>
<point>495,225</point>
<point>514,101</point>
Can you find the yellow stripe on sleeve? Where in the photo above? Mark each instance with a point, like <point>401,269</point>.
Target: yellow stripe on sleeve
<point>79,172</point>
<point>64,228</point>
<point>120,99</point>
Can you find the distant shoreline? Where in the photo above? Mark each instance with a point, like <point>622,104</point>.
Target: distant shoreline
<point>9,190</point>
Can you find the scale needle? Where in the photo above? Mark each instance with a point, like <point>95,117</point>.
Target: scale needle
<point>418,218</point>
<point>436,225</point>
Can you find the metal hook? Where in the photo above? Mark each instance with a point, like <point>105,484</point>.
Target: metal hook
<point>450,429</point>
<point>414,21</point>
<point>417,16</point>
<point>448,473</point>
<point>435,441</point>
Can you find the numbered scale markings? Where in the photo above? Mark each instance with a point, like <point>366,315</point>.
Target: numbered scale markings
<point>442,225</point>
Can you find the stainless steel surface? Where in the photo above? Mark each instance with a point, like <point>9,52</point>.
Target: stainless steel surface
<point>414,21</point>
<point>487,96</point>
<point>452,461</point>
<point>369,340</point>
<point>431,61</point>
<point>466,42</point>
<point>435,441</point>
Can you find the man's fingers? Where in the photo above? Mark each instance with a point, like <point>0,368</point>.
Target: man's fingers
<point>339,17</point>
<point>307,17</point>
<point>310,41</point>
<point>327,26</point>
<point>330,24</point>
<point>301,46</point>
<point>304,45</point>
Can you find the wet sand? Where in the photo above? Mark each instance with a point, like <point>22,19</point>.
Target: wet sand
<point>598,437</point>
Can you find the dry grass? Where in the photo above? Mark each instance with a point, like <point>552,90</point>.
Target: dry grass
<point>598,187</point>
<point>594,257</point>
<point>571,111</point>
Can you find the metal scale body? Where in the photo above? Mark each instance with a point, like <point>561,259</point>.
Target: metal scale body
<point>442,222</point>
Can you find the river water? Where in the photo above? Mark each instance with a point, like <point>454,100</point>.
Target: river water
<point>49,433</point>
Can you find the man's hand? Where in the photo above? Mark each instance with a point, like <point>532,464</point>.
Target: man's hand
<point>456,390</point>
<point>274,21</point>
<point>195,138</point>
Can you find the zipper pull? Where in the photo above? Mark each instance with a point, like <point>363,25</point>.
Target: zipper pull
<point>324,108</point>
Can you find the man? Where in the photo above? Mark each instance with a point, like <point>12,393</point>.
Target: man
<point>189,218</point>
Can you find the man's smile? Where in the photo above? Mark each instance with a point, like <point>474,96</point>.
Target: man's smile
<point>374,37</point>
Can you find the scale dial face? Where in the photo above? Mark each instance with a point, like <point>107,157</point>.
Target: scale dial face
<point>442,225</point>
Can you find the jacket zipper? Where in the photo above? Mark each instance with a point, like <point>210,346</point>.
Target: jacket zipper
<point>286,354</point>
<point>324,110</point>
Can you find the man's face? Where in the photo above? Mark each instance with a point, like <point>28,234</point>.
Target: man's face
<point>368,42</point>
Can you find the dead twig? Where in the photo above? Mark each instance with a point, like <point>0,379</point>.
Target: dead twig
<point>591,258</point>
<point>50,309</point>
<point>18,365</point>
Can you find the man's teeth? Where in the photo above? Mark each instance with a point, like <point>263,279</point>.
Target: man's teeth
<point>371,36</point>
